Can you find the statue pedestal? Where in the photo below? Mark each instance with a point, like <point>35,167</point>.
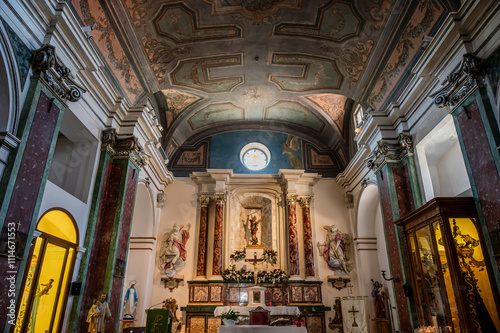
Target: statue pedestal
<point>127,325</point>
<point>382,325</point>
<point>256,296</point>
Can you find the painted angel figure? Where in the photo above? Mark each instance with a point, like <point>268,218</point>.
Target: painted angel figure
<point>290,147</point>
<point>335,250</point>
<point>173,252</point>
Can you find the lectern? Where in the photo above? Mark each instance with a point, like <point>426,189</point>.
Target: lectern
<point>159,321</point>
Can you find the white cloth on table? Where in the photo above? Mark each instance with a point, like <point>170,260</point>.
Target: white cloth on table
<point>245,310</point>
<point>261,329</point>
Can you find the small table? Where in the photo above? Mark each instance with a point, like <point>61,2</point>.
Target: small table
<point>261,329</point>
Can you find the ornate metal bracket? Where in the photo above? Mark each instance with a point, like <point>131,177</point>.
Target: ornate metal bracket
<point>395,279</point>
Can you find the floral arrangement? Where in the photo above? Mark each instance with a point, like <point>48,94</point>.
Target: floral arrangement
<point>297,320</point>
<point>270,256</point>
<point>237,255</point>
<point>230,315</point>
<point>242,275</point>
<point>274,276</point>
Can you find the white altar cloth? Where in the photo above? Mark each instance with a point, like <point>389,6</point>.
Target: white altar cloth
<point>261,329</point>
<point>245,310</point>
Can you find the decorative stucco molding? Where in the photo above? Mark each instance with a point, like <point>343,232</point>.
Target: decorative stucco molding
<point>55,75</point>
<point>459,84</point>
<point>128,147</point>
<point>390,152</point>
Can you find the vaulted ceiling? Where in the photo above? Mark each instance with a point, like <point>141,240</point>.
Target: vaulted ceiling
<point>292,66</point>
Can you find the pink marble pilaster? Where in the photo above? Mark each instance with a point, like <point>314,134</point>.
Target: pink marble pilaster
<point>202,240</point>
<point>293,244</point>
<point>218,232</point>
<point>305,203</point>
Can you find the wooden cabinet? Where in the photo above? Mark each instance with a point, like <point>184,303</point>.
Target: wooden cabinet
<point>450,267</point>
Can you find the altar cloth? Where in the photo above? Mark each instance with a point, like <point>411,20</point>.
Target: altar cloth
<point>261,329</point>
<point>245,310</point>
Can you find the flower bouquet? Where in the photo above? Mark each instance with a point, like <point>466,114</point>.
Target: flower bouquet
<point>237,255</point>
<point>297,320</point>
<point>270,257</point>
<point>230,317</point>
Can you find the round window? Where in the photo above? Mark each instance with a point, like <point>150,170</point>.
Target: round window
<point>255,156</point>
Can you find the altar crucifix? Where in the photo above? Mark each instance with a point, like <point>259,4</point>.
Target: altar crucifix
<point>255,262</point>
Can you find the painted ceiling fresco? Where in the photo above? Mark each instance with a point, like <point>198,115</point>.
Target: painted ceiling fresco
<point>291,66</point>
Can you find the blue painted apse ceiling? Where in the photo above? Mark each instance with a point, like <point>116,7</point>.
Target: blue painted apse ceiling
<point>296,68</point>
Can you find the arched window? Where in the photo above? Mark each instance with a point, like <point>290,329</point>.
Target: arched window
<point>47,277</point>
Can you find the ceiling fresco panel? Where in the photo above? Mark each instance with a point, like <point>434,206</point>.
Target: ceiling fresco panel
<point>216,113</point>
<point>295,113</point>
<point>92,14</point>
<point>316,73</point>
<point>335,21</point>
<point>195,73</point>
<point>179,23</point>
<point>422,21</point>
<point>178,102</point>
<point>333,105</point>
<point>257,10</point>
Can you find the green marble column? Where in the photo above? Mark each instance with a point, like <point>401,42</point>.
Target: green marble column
<point>394,165</point>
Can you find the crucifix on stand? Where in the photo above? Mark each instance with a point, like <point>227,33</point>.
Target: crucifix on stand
<point>255,262</point>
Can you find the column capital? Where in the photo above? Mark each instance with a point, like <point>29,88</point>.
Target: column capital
<point>305,202</point>
<point>55,75</point>
<point>390,152</point>
<point>291,199</point>
<point>121,148</point>
<point>219,198</point>
<point>204,200</point>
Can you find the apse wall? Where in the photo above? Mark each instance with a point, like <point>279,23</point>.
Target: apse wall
<point>182,207</point>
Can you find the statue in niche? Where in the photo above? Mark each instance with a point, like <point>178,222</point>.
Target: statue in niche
<point>252,227</point>
<point>172,257</point>
<point>336,250</point>
<point>378,299</point>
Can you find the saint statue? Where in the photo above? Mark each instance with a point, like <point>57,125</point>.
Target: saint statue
<point>252,227</point>
<point>335,250</point>
<point>99,314</point>
<point>378,299</point>
<point>172,256</point>
<point>130,303</point>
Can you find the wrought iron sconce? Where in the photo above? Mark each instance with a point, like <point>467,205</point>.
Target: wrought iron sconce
<point>396,279</point>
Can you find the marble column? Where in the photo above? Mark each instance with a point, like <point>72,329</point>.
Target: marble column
<point>108,230</point>
<point>293,243</point>
<point>26,171</point>
<point>201,269</point>
<point>394,165</point>
<point>305,203</point>
<point>218,235</point>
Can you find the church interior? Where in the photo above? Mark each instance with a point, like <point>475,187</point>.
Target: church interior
<point>326,165</point>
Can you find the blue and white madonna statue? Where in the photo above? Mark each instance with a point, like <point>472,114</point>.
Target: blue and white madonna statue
<point>130,303</point>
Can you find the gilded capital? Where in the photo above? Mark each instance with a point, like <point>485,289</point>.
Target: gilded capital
<point>305,202</point>
<point>291,199</point>
<point>204,201</point>
<point>220,199</point>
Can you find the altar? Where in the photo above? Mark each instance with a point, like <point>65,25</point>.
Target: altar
<point>245,310</point>
<point>261,329</point>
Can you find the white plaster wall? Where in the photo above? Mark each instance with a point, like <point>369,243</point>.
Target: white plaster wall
<point>329,208</point>
<point>180,207</point>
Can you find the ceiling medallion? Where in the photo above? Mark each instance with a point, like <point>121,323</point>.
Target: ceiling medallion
<point>256,95</point>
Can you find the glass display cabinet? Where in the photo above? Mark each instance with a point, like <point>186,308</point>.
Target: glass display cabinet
<point>451,280</point>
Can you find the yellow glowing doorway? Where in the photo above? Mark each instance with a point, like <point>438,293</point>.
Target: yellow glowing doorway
<point>46,282</point>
